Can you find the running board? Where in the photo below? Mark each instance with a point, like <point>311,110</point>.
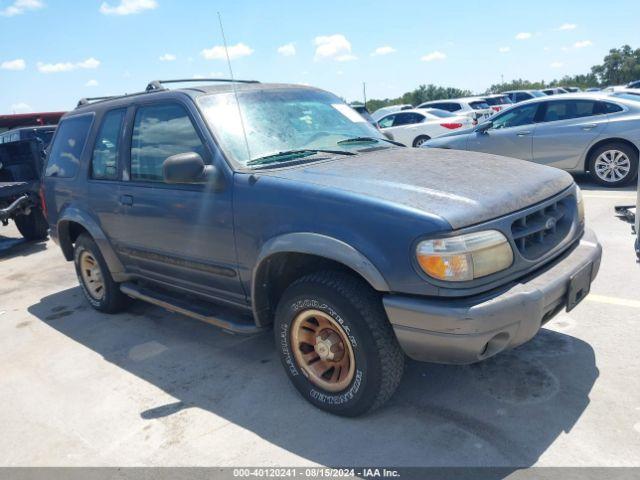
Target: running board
<point>189,309</point>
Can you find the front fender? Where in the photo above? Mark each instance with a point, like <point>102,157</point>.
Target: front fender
<point>312,244</point>
<point>70,216</point>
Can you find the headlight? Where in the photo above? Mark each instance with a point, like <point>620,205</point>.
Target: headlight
<point>580,203</point>
<point>465,257</point>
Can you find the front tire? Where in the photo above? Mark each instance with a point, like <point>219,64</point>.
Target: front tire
<point>33,226</point>
<point>95,279</point>
<point>614,164</point>
<point>421,140</point>
<point>336,343</point>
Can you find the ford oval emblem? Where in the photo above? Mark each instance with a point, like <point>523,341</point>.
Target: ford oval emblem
<point>550,223</point>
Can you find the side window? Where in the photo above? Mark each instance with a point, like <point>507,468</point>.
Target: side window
<point>611,107</point>
<point>403,119</point>
<point>64,158</point>
<point>521,96</point>
<point>568,109</point>
<point>104,163</point>
<point>386,122</point>
<point>516,117</point>
<point>160,131</point>
<point>409,119</point>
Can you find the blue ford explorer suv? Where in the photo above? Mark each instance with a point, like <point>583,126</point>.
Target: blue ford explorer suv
<point>251,206</point>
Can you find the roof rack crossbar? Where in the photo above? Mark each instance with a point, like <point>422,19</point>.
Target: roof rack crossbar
<point>88,100</point>
<point>158,84</point>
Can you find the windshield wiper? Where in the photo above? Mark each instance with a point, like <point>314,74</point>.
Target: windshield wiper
<point>287,155</point>
<point>367,140</point>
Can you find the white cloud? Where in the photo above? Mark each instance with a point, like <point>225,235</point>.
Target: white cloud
<point>429,57</point>
<point>20,107</point>
<point>333,46</point>
<point>91,83</point>
<point>17,64</point>
<point>386,50</point>
<point>20,6</point>
<point>583,44</point>
<point>167,57</point>
<point>235,51</point>
<point>567,26</point>
<point>523,36</point>
<point>556,65</point>
<point>287,50</point>
<point>89,63</point>
<point>504,49</point>
<point>128,7</point>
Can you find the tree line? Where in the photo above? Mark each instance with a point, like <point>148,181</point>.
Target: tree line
<point>620,66</point>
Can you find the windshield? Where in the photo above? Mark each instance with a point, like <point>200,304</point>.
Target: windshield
<point>628,96</point>
<point>537,93</point>
<point>282,120</point>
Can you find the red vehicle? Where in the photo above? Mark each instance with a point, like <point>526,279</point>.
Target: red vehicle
<point>7,122</point>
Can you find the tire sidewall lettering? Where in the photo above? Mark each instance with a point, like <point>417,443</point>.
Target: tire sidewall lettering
<point>315,394</point>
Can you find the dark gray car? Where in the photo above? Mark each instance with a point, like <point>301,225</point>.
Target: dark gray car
<point>595,133</point>
<point>296,216</point>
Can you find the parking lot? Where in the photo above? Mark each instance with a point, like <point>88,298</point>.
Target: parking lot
<point>150,387</point>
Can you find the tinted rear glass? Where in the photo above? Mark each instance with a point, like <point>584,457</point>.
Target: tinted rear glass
<point>479,105</point>
<point>498,100</point>
<point>66,151</point>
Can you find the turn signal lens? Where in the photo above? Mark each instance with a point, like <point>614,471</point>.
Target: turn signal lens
<point>465,257</point>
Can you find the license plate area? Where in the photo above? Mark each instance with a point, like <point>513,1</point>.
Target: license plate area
<point>579,286</point>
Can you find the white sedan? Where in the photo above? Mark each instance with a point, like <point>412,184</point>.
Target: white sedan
<point>414,127</point>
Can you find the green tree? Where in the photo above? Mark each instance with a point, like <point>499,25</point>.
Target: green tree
<point>620,66</point>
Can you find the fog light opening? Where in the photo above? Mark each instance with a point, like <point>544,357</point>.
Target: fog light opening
<point>495,345</point>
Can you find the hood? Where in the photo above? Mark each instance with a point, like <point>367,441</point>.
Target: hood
<point>463,188</point>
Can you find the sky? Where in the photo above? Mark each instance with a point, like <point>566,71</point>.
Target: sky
<point>54,52</point>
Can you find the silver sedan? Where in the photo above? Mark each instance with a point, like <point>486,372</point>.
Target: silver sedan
<point>597,133</point>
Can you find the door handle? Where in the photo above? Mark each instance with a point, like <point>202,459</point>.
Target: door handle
<point>589,126</point>
<point>126,200</point>
<point>524,133</point>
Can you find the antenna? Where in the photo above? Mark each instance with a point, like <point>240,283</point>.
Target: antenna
<point>233,84</point>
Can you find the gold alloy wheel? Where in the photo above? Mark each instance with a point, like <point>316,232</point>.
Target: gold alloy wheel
<point>91,275</point>
<point>322,350</point>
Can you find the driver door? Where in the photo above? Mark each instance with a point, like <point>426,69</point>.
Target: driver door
<point>175,234</point>
<point>511,134</point>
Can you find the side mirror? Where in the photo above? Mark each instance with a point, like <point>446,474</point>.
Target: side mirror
<point>190,168</point>
<point>483,127</point>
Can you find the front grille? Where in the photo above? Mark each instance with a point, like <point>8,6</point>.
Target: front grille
<point>540,231</point>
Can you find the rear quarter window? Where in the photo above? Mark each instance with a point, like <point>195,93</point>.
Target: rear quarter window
<point>64,159</point>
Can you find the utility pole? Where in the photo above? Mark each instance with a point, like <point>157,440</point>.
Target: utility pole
<point>502,79</point>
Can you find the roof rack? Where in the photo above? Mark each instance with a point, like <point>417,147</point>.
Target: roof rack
<point>158,84</point>
<point>88,100</point>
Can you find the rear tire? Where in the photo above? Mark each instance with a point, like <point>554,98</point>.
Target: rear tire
<point>33,226</point>
<point>419,141</point>
<point>95,279</point>
<point>345,312</point>
<point>613,164</point>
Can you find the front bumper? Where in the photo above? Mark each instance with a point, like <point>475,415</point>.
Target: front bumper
<point>467,330</point>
